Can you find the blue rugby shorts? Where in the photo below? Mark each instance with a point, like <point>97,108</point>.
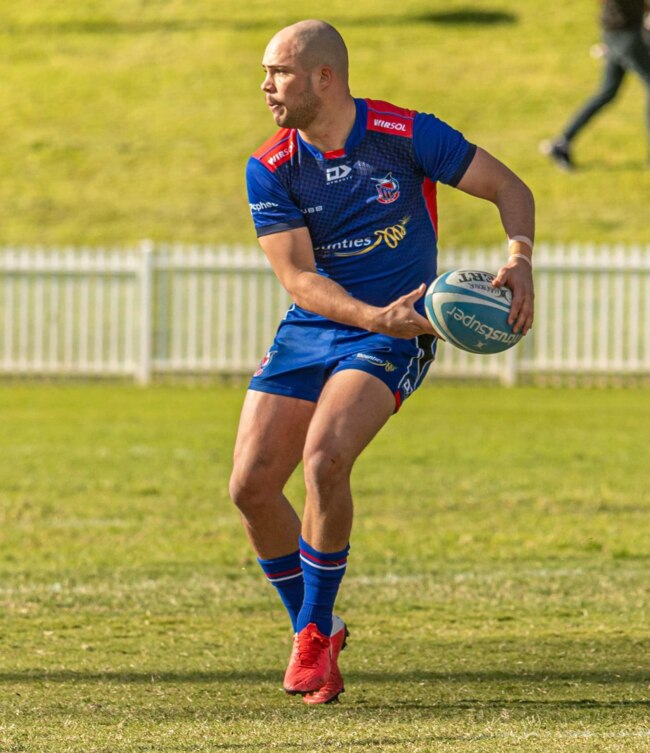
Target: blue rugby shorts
<point>304,356</point>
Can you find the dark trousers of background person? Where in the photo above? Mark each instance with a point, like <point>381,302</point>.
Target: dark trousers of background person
<point>626,50</point>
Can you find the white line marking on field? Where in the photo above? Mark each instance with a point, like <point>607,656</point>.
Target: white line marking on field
<point>374,580</point>
<point>220,583</point>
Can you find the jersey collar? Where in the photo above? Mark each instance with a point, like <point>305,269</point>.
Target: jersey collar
<point>353,140</point>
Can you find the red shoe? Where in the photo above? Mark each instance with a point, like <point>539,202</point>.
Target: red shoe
<point>333,688</point>
<point>310,662</point>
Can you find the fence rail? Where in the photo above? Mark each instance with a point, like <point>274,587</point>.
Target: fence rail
<point>147,310</point>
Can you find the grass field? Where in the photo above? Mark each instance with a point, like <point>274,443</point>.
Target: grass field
<point>134,119</point>
<point>496,593</point>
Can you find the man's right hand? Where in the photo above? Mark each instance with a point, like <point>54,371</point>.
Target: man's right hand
<point>400,319</point>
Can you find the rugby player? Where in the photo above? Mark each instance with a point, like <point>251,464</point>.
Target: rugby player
<point>343,199</point>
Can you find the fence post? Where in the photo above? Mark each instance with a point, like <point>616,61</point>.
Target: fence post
<point>509,372</point>
<point>145,360</point>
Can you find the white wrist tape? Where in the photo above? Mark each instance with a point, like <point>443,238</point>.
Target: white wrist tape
<point>522,239</point>
<point>522,256</point>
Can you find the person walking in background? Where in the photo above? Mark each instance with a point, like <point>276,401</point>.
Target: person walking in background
<point>343,199</point>
<point>626,49</point>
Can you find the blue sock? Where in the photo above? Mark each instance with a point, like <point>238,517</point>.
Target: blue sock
<point>323,573</point>
<point>285,573</point>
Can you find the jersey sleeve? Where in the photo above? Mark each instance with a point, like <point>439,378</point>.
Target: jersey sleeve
<point>271,207</point>
<point>443,153</point>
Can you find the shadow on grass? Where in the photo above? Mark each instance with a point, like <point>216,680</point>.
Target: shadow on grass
<point>468,17</point>
<point>595,677</point>
<point>462,16</point>
<point>601,166</point>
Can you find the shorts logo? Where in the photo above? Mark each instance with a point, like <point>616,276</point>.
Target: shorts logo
<point>336,174</point>
<point>265,362</point>
<point>375,361</point>
<point>387,189</point>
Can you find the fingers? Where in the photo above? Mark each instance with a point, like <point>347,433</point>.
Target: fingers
<point>521,309</point>
<point>424,324</point>
<point>421,321</point>
<point>401,319</point>
<point>521,314</point>
<point>500,279</point>
<point>416,294</point>
<point>520,282</point>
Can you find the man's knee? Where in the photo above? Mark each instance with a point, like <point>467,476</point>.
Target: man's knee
<point>608,95</point>
<point>249,487</point>
<point>325,469</point>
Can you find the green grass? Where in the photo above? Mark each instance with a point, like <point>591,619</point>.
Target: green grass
<point>496,593</point>
<point>134,118</point>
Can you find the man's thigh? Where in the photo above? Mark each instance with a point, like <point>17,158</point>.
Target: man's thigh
<point>353,407</point>
<point>271,435</point>
<point>631,52</point>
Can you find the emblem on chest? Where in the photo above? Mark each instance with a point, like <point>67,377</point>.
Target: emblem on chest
<point>387,189</point>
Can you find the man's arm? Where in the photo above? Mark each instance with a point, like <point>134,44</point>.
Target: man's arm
<point>291,255</point>
<point>487,178</point>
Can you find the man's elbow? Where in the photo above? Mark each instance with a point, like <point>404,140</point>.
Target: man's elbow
<point>527,194</point>
<point>514,188</point>
<point>298,285</point>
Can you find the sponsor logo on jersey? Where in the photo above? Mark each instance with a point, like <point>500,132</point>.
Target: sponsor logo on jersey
<point>389,119</point>
<point>387,189</point>
<point>265,362</point>
<point>337,174</point>
<point>279,153</point>
<point>376,361</point>
<point>391,236</point>
<point>390,125</point>
<point>278,156</point>
<point>262,205</point>
<point>332,249</point>
<point>312,210</point>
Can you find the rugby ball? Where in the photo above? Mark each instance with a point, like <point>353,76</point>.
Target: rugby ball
<point>469,312</point>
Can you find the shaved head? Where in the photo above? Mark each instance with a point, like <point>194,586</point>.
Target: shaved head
<point>306,78</point>
<point>315,43</point>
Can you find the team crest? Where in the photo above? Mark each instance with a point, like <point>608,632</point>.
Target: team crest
<point>265,362</point>
<point>387,189</point>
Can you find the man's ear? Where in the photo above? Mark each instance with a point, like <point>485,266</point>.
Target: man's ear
<point>325,76</point>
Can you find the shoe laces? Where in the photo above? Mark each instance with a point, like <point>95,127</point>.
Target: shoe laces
<point>309,646</point>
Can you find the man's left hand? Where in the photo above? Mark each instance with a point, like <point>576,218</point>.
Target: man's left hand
<point>517,275</point>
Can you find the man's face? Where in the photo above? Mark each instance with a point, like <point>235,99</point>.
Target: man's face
<point>288,87</point>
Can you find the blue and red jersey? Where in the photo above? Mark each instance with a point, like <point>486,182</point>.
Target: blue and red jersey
<point>370,207</point>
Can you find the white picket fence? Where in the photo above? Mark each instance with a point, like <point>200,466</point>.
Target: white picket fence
<point>152,310</point>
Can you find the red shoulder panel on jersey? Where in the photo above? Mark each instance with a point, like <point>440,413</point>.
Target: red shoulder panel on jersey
<point>278,149</point>
<point>387,118</point>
